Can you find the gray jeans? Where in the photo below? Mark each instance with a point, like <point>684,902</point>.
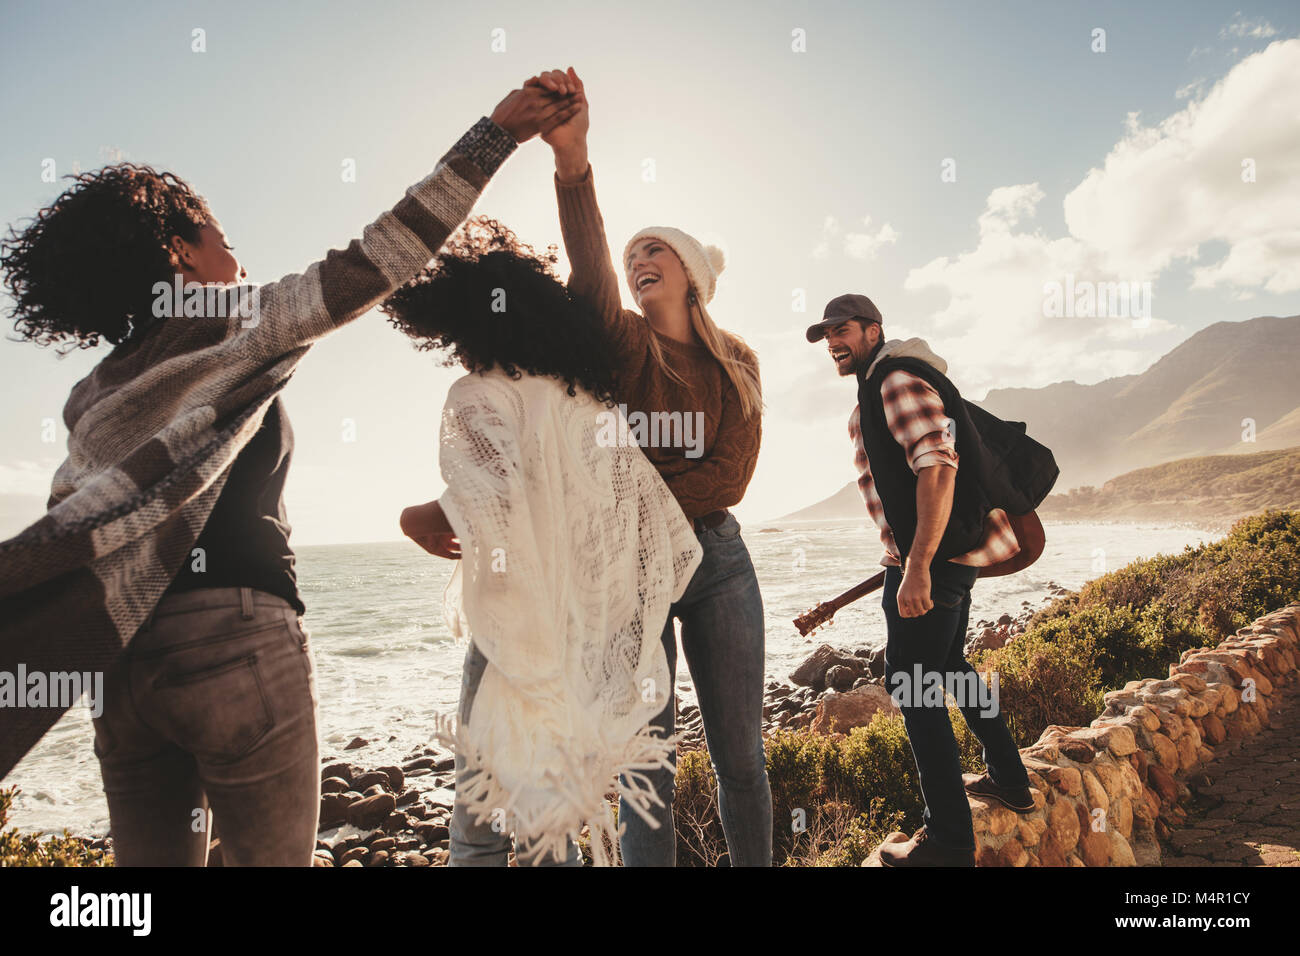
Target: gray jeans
<point>212,706</point>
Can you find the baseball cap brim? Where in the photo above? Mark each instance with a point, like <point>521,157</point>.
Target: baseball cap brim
<point>818,332</point>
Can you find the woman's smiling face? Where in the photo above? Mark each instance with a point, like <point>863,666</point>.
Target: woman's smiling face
<point>655,274</point>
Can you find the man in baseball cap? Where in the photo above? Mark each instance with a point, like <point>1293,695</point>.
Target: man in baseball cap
<point>853,330</point>
<point>842,308</point>
<point>939,534</point>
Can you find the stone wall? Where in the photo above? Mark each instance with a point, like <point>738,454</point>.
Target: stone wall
<point>1104,793</point>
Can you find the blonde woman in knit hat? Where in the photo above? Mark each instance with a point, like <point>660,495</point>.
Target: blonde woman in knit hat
<point>675,360</point>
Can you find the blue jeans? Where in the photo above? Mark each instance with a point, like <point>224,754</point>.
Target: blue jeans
<point>487,843</point>
<point>212,705</point>
<point>723,638</point>
<point>936,642</point>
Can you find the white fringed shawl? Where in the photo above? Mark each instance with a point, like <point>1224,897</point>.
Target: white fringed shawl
<point>571,555</point>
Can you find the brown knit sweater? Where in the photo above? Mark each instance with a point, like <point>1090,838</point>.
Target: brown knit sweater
<point>717,478</point>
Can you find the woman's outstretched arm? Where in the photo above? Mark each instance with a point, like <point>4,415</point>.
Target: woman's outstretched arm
<point>302,307</point>
<point>593,276</point>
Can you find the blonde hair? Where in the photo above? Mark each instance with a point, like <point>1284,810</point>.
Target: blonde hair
<point>743,373</point>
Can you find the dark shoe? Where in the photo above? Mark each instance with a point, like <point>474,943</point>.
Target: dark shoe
<point>922,851</point>
<point>1015,798</point>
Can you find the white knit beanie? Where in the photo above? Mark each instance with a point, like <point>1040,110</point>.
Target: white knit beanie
<point>703,264</point>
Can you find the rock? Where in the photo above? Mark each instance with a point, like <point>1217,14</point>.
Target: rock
<point>1213,730</point>
<point>988,639</point>
<point>1094,847</point>
<point>358,853</point>
<point>322,858</point>
<point>1063,822</point>
<point>420,763</point>
<point>370,779</point>
<point>812,672</point>
<point>853,708</point>
<point>408,797</point>
<point>1080,751</point>
<point>382,843</point>
<point>334,809</point>
<point>840,678</point>
<point>413,858</point>
<point>1012,853</point>
<point>378,858</point>
<point>398,821</point>
<point>334,785</point>
<point>1162,782</point>
<point>1049,850</point>
<point>356,743</point>
<point>369,812</point>
<point>443,764</point>
<point>431,833</point>
<point>343,771</point>
<point>1166,752</point>
<point>876,663</point>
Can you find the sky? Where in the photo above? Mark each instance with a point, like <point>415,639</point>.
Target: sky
<point>950,160</point>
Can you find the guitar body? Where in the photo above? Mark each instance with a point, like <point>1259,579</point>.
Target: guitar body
<point>1030,537</point>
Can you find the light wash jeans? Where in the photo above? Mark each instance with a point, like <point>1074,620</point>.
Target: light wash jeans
<point>723,638</point>
<point>483,844</point>
<point>212,704</point>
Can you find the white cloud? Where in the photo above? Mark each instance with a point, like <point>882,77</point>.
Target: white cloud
<point>855,245</point>
<point>1161,194</point>
<point>1165,190</point>
<point>1258,29</point>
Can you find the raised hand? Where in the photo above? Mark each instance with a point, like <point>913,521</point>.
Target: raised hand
<point>568,138</point>
<point>535,109</point>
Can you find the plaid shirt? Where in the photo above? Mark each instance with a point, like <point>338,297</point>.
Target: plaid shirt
<point>916,419</point>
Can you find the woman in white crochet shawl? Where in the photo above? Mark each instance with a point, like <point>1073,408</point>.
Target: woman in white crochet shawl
<point>572,549</point>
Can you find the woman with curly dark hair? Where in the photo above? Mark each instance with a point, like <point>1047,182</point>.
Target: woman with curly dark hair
<point>164,561</point>
<point>571,551</point>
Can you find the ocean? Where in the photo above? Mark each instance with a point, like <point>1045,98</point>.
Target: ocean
<point>386,663</point>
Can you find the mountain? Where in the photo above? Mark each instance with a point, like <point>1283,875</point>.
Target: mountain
<point>1211,488</point>
<point>1193,402</point>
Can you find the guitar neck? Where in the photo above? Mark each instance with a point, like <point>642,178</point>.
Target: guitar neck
<point>858,590</point>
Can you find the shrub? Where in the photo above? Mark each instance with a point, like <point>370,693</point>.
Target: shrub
<point>17,849</point>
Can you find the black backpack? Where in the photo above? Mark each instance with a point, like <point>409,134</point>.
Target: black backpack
<point>1025,470</point>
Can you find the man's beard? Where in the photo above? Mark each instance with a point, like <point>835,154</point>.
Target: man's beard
<point>860,367</point>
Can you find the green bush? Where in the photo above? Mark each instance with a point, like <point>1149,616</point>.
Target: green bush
<point>833,797</point>
<point>18,849</point>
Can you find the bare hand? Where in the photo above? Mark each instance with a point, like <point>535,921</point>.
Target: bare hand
<point>525,113</point>
<point>914,591</point>
<point>428,527</point>
<point>569,138</point>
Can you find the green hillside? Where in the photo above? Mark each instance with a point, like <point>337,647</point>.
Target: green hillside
<point>1209,488</point>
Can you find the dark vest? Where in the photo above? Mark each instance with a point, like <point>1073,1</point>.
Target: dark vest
<point>999,465</point>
